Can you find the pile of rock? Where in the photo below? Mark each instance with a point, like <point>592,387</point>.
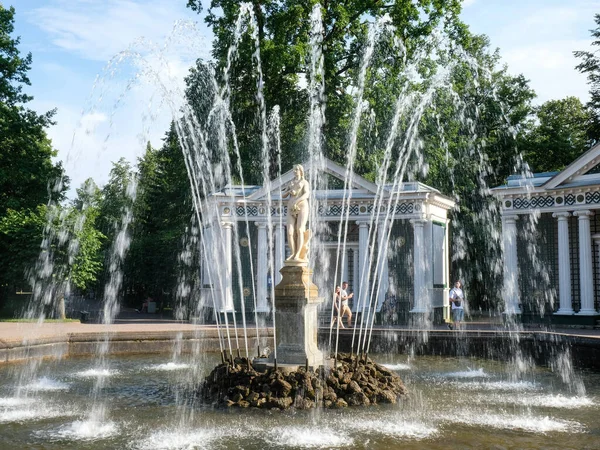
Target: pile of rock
<point>348,384</point>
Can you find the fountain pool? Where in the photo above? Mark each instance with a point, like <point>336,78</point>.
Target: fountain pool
<point>454,403</point>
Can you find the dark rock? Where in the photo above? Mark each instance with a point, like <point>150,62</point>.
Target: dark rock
<point>303,403</point>
<point>340,403</point>
<point>280,402</point>
<point>329,394</point>
<point>387,396</point>
<point>351,383</point>
<point>253,397</point>
<point>281,386</point>
<point>354,387</point>
<point>357,399</point>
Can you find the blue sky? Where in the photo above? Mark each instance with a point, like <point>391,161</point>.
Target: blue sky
<point>72,40</point>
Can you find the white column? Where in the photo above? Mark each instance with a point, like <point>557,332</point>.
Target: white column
<point>510,292</point>
<point>355,279</point>
<point>384,276</point>
<point>262,263</point>
<point>586,274</point>
<point>596,239</point>
<point>344,263</point>
<point>363,263</point>
<point>227,304</point>
<point>420,305</point>
<point>279,251</point>
<point>564,264</point>
<point>208,259</point>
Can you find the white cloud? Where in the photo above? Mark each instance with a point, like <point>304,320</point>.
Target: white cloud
<point>97,30</point>
<point>137,93</point>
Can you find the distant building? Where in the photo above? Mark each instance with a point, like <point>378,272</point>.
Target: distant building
<point>412,278</point>
<point>551,241</point>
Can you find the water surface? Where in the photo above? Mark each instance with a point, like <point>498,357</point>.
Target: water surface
<point>454,403</point>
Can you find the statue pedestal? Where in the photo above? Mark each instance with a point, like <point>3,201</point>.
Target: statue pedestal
<point>296,323</point>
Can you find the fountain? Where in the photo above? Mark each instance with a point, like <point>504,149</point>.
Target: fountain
<point>297,374</point>
<point>484,389</point>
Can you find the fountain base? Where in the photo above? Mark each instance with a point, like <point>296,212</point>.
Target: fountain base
<point>296,302</point>
<point>350,383</point>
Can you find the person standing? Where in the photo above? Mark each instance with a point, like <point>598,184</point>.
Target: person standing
<point>457,300</point>
<point>345,307</point>
<point>337,303</point>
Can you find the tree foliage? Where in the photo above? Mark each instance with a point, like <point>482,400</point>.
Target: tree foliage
<point>557,136</point>
<point>284,33</point>
<point>590,65</point>
<point>27,173</point>
<point>162,212</point>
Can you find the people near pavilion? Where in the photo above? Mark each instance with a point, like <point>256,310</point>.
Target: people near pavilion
<point>144,308</point>
<point>337,303</point>
<point>457,300</point>
<point>345,307</point>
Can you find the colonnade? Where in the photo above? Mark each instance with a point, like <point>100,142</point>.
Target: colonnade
<point>362,289</point>
<point>511,294</point>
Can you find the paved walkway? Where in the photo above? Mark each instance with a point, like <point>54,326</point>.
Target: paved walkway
<point>128,322</point>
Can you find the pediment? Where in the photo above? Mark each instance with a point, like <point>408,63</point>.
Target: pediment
<point>586,164</point>
<point>335,174</point>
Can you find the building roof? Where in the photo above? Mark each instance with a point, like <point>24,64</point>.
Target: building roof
<point>360,186</point>
<point>573,176</point>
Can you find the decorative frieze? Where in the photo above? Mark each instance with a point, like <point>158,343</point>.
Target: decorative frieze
<point>533,202</point>
<point>330,210</point>
<point>548,201</point>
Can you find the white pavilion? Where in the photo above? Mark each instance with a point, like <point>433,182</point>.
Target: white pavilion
<point>413,277</point>
<point>551,242</point>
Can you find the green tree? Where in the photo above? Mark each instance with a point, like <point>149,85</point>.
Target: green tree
<point>162,211</point>
<point>471,143</point>
<point>116,197</point>
<point>26,167</point>
<point>467,139</point>
<point>284,32</point>
<point>74,246</point>
<point>590,65</point>
<point>88,261</point>
<point>558,135</point>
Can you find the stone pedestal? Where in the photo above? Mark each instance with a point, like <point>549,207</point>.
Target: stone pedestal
<point>296,323</point>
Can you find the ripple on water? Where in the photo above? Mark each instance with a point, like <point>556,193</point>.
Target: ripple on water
<point>11,402</point>
<point>469,373</point>
<point>501,385</point>
<point>97,373</point>
<point>307,437</point>
<point>47,384</point>
<point>37,411</point>
<point>397,428</point>
<point>526,422</point>
<point>169,366</point>
<point>85,430</point>
<point>397,367</point>
<point>544,401</point>
<point>167,440</point>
